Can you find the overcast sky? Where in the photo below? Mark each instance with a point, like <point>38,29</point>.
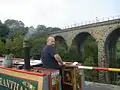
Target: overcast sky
<point>57,13</point>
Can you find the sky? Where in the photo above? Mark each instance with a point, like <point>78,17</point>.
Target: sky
<point>57,13</point>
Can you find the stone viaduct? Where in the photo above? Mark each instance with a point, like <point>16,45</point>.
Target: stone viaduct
<point>105,33</point>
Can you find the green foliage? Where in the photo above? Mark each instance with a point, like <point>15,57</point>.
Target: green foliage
<point>118,80</point>
<point>118,50</point>
<point>14,24</point>
<point>4,30</point>
<point>0,22</point>
<point>16,45</point>
<point>91,58</point>
<point>90,75</point>
<point>37,44</point>
<point>74,55</point>
<point>2,48</point>
<point>91,50</point>
<point>62,50</point>
<point>89,61</point>
<point>41,28</point>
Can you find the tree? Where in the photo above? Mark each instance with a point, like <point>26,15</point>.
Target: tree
<point>41,28</point>
<point>56,29</point>
<point>61,49</point>
<point>91,49</point>
<point>4,31</point>
<point>14,24</point>
<point>91,58</point>
<point>16,45</point>
<point>0,22</point>
<point>90,75</point>
<point>49,29</point>
<point>37,44</point>
<point>74,55</point>
<point>2,48</point>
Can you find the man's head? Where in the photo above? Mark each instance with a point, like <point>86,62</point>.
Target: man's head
<point>51,41</point>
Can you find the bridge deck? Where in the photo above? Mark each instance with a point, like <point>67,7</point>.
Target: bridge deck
<point>96,24</point>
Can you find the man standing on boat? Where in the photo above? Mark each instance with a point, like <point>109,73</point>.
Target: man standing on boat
<point>50,58</point>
